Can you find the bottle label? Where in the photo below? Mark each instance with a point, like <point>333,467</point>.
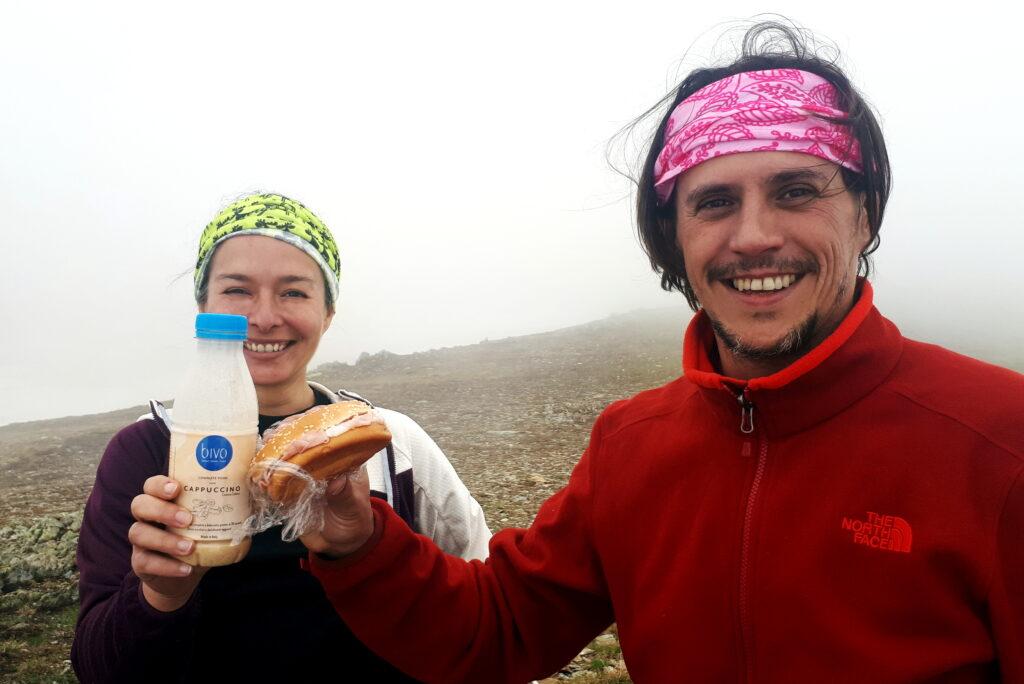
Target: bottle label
<point>213,472</point>
<point>213,452</point>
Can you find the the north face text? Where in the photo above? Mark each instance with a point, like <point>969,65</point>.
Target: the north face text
<point>883,532</point>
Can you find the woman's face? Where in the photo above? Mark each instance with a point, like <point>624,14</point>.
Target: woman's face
<point>281,291</point>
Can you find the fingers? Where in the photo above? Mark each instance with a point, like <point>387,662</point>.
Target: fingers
<point>167,581</point>
<point>358,478</point>
<point>151,538</point>
<point>153,547</point>
<point>152,505</point>
<point>348,520</point>
<point>161,487</point>
<point>337,485</point>
<point>148,565</point>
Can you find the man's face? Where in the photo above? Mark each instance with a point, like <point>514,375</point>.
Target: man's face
<point>771,241</point>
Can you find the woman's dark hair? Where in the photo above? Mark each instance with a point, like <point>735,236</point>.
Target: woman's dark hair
<point>766,45</point>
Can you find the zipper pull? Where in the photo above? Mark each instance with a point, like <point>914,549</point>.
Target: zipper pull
<point>746,412</point>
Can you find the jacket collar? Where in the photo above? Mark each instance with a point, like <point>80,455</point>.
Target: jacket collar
<point>162,414</point>
<point>320,389</point>
<point>845,367</point>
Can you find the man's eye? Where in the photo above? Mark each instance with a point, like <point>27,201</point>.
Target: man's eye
<point>713,203</point>
<point>235,291</point>
<point>296,293</point>
<point>798,193</point>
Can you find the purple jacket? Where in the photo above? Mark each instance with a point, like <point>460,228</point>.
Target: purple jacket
<point>265,618</point>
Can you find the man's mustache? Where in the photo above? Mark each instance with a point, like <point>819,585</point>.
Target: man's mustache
<point>765,262</point>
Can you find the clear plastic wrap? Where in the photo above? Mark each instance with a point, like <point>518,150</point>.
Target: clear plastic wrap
<point>303,513</point>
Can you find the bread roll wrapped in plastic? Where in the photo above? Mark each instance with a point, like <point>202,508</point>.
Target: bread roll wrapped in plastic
<point>301,454</point>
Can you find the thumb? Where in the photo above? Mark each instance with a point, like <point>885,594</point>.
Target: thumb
<point>348,520</point>
<point>347,491</point>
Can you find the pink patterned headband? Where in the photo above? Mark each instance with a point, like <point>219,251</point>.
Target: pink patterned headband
<point>782,110</point>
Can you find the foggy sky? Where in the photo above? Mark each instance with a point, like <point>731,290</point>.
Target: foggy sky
<point>457,151</point>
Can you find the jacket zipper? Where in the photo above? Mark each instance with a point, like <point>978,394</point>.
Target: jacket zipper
<point>746,621</point>
<point>746,412</point>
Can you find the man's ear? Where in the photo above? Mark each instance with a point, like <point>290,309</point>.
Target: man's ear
<point>863,226</point>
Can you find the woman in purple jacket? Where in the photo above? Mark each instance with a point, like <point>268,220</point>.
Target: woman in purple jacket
<point>145,615</point>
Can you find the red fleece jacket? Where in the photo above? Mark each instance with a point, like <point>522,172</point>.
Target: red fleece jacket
<point>868,528</point>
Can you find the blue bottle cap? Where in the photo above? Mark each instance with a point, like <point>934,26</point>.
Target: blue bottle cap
<point>213,326</point>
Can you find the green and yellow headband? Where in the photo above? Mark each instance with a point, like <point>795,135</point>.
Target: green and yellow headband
<point>273,216</point>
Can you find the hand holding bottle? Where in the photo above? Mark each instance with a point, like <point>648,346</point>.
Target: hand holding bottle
<point>167,582</point>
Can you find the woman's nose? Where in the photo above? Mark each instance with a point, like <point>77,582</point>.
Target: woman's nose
<point>264,314</point>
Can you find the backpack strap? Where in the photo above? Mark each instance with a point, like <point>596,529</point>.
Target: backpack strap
<point>160,415</point>
<point>352,395</point>
<point>394,493</point>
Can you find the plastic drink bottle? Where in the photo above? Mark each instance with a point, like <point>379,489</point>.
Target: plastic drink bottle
<point>213,439</point>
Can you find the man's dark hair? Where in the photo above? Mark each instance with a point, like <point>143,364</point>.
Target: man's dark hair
<point>766,45</point>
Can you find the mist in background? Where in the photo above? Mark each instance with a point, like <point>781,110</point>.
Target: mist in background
<point>457,151</point>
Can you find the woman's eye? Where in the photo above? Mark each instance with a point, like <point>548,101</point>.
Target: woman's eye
<point>296,293</point>
<point>235,291</point>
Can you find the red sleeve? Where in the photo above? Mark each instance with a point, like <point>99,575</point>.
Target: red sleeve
<point>1006,599</point>
<point>529,609</point>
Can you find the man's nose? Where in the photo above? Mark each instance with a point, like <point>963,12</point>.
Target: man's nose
<point>757,229</point>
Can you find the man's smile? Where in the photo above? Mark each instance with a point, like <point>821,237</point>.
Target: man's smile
<point>763,283</point>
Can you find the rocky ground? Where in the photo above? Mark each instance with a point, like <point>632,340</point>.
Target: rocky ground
<point>513,416</point>
<point>38,597</point>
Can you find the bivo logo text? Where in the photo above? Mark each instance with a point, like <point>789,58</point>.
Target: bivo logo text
<point>213,452</point>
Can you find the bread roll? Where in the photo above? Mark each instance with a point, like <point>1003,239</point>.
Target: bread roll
<point>324,441</point>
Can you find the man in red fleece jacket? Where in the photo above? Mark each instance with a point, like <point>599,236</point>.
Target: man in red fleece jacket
<point>816,499</point>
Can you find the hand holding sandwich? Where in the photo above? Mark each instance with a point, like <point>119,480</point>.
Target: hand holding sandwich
<point>326,444</point>
<point>348,518</point>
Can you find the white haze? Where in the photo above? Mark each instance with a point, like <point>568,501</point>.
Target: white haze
<point>457,150</point>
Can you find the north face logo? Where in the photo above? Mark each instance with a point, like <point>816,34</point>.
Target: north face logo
<point>884,532</point>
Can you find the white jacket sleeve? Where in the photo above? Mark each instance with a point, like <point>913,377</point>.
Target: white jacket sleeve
<point>445,510</point>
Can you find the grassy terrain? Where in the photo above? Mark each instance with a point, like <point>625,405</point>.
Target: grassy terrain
<point>35,644</point>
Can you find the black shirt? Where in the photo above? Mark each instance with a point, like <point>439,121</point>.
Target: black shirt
<point>303,638</point>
